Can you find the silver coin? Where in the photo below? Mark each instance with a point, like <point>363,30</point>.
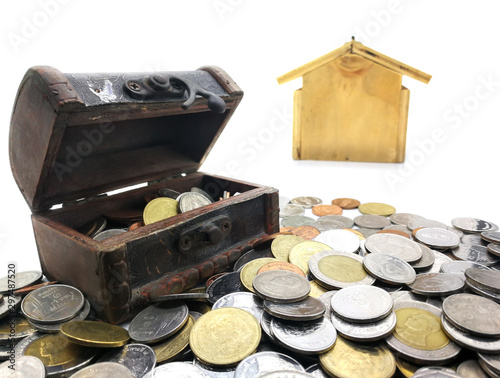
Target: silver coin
<point>333,222</point>
<point>180,297</point>
<point>297,221</point>
<point>459,267</point>
<point>371,221</point>
<point>403,218</point>
<point>339,240</point>
<point>215,371</point>
<point>307,309</point>
<point>388,287</point>
<point>168,193</point>
<point>140,359</point>
<point>473,314</point>
<point>54,328</point>
<point>491,236</point>
<point>367,232</point>
<point>326,298</point>
<point>286,374</point>
<point>228,283</point>
<point>437,284</point>
<point>365,331</point>
<point>488,279</point>
<point>252,255</point>
<point>439,259</point>
<point>101,224</point>
<point>471,369</point>
<point>404,295</point>
<point>438,238</point>
<point>52,304</point>
<point>421,356</point>
<point>82,355</point>
<point>290,210</point>
<point>281,286</point>
<point>493,248</point>
<point>473,225</point>
<point>472,342</point>
<point>316,371</point>
<point>479,290</point>
<point>413,224</point>
<point>473,239</point>
<point>491,360</point>
<point>265,323</point>
<point>312,337</point>
<point>261,363</point>
<point>104,370</point>
<point>202,192</point>
<point>362,304</point>
<point>435,372</point>
<point>456,231</point>
<point>245,301</point>
<point>159,321</point>
<point>191,200</point>
<point>394,245</point>
<point>488,370</point>
<point>9,305</point>
<point>475,253</point>
<point>398,227</point>
<point>106,234</point>
<point>24,366</point>
<point>427,260</point>
<point>389,269</point>
<point>283,200</point>
<point>177,370</point>
<point>306,202</point>
<point>19,280</point>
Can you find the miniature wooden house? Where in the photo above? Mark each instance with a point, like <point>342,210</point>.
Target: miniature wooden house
<point>351,106</point>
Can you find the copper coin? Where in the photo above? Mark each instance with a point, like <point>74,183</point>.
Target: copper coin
<point>214,277</point>
<point>321,210</point>
<point>28,289</point>
<point>306,232</point>
<point>135,226</point>
<point>265,241</point>
<point>346,203</point>
<point>395,232</point>
<point>281,265</point>
<point>287,229</point>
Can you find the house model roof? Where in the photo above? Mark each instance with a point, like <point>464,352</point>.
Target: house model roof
<point>357,48</point>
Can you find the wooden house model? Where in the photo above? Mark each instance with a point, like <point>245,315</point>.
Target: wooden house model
<point>352,106</point>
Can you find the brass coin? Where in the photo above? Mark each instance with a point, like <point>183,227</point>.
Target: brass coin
<point>159,209</point>
<point>419,329</point>
<point>316,289</point>
<point>225,336</point>
<point>266,241</point>
<point>250,269</point>
<point>346,203</point>
<point>305,232</point>
<point>281,265</point>
<point>395,232</point>
<point>302,252</point>
<point>14,328</point>
<point>376,208</point>
<point>352,360</point>
<point>322,210</point>
<point>282,245</point>
<point>94,334</point>
<point>406,368</point>
<point>170,348</point>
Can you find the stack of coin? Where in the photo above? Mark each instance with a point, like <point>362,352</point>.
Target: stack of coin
<point>484,282</point>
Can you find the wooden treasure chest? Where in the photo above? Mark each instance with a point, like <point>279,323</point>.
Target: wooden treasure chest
<point>74,138</point>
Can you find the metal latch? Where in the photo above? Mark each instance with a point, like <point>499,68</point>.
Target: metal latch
<point>202,235</point>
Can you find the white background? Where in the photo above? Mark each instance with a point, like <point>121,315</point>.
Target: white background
<point>257,41</point>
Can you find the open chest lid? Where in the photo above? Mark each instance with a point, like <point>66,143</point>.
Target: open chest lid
<point>75,136</point>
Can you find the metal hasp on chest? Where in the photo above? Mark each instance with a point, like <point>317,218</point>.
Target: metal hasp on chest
<point>352,106</point>
<point>76,137</point>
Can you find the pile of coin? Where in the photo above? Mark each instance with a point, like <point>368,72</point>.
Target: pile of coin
<point>164,204</point>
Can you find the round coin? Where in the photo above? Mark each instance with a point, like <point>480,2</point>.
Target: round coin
<point>376,208</point>
<point>54,328</point>
<point>202,192</point>
<point>471,369</point>
<point>435,284</point>
<point>302,252</point>
<point>333,222</point>
<point>105,370</point>
<point>24,366</point>
<point>489,279</point>
<point>250,269</point>
<point>290,210</point>
<point>437,238</point>
<point>394,245</point>
<point>346,203</point>
<point>251,255</point>
<point>177,370</point>
<point>225,336</point>
<point>21,280</point>
<point>459,267</point>
<point>322,210</point>
<point>170,348</point>
<point>159,209</point>
<point>106,234</point>
<point>281,265</point>
<point>140,359</point>
<point>413,224</point>
<point>491,360</point>
<point>228,283</point>
<point>337,270</point>
<point>169,193</point>
<point>261,363</point>
<point>306,202</point>
<point>427,260</point>
<point>244,301</point>
<point>365,332</point>
<point>371,221</point>
<point>472,342</point>
<point>94,334</point>
<point>159,321</point>
<point>494,249</point>
<point>52,304</point>
<point>281,286</point>
<point>339,240</point>
<point>395,232</point>
<point>191,200</point>
<point>491,236</point>
<point>307,309</point>
<point>349,359</point>
<point>13,329</point>
<point>312,337</point>
<point>297,221</point>
<point>475,253</point>
<point>404,218</point>
<point>436,372</point>
<point>362,304</point>
<point>439,259</point>
<point>306,232</point>
<point>473,225</point>
<point>389,269</point>
<point>283,244</point>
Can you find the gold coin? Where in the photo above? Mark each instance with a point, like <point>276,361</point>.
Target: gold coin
<point>250,270</point>
<point>54,350</point>
<point>14,328</point>
<point>198,306</point>
<point>406,368</point>
<point>342,268</point>
<point>302,253</point>
<point>352,360</point>
<point>316,289</point>
<point>159,209</point>
<point>225,336</point>
<point>419,329</point>
<point>167,350</point>
<point>94,334</point>
<point>282,245</point>
<point>356,232</point>
<point>376,208</point>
